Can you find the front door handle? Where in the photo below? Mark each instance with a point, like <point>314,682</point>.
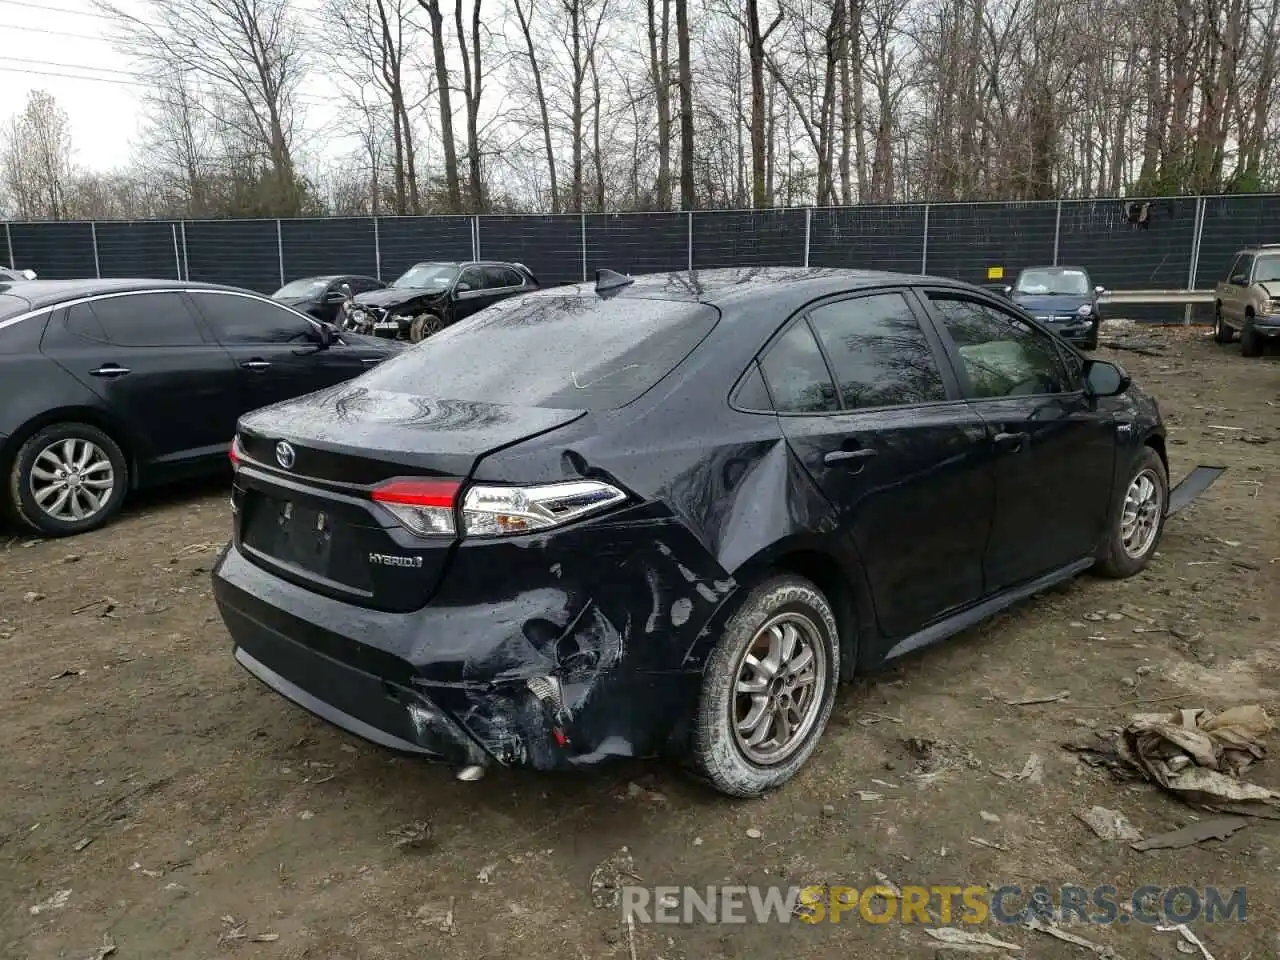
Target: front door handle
<point>256,364</point>
<point>846,456</point>
<point>110,370</point>
<point>1011,442</point>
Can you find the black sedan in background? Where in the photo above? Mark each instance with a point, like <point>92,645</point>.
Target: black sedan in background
<point>323,297</point>
<point>430,296</point>
<point>1063,299</point>
<point>109,385</point>
<point>671,513</point>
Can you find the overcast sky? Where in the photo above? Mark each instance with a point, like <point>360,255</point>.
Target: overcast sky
<point>61,46</point>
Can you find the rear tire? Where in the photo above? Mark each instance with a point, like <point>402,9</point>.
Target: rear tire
<point>67,469</point>
<point>1137,517</point>
<point>768,689</point>
<point>1250,341</point>
<point>1221,332</point>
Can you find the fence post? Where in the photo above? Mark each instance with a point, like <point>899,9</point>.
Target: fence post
<point>475,238</point>
<point>8,242</point>
<point>924,248</point>
<point>97,265</point>
<point>1057,231</point>
<point>808,229</point>
<point>177,258</point>
<point>377,251</point>
<point>690,216</point>
<point>186,261</point>
<point>1196,232</point>
<point>584,247</point>
<point>280,249</point>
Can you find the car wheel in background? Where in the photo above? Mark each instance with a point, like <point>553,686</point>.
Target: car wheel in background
<point>1221,332</point>
<point>1250,341</point>
<point>768,688</point>
<point>68,478</point>
<point>1137,517</point>
<point>423,326</point>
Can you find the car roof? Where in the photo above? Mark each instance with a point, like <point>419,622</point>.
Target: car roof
<point>47,293</point>
<point>1056,268</point>
<point>789,287</point>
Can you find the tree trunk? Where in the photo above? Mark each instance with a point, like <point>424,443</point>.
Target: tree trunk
<point>688,194</point>
<point>446,110</point>
<point>525,28</point>
<point>660,74</point>
<point>756,38</point>
<point>472,82</point>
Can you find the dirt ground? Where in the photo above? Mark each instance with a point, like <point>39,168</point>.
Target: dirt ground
<point>186,809</point>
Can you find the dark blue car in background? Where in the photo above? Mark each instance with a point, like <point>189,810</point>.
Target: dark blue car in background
<point>1063,299</point>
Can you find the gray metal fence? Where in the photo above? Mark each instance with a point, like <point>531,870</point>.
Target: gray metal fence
<point>1161,243</point>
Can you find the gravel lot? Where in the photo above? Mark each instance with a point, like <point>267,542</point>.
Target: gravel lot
<point>180,802</point>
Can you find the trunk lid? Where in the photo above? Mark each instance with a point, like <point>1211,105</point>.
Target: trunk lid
<point>308,469</point>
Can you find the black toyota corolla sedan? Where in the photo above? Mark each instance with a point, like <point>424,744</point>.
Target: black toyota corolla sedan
<point>669,514</point>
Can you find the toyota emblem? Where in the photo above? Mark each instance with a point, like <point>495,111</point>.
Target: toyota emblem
<point>285,454</point>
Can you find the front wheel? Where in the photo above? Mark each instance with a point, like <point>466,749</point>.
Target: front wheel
<point>68,478</point>
<point>423,326</point>
<point>768,689</point>
<point>1250,340</point>
<point>1137,518</point>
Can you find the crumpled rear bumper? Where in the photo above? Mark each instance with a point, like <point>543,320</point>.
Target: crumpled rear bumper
<point>557,675</point>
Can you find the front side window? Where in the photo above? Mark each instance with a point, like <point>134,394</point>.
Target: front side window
<point>1241,270</point>
<point>473,277</point>
<point>237,319</point>
<point>146,320</point>
<point>878,352</point>
<point>1003,355</point>
<point>798,379</point>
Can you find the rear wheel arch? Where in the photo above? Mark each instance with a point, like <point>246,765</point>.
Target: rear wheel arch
<point>833,576</point>
<point>94,418</point>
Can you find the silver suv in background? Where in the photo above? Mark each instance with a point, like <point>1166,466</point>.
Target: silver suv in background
<point>1248,301</point>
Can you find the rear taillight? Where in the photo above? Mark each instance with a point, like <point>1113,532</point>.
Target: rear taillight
<point>429,508</point>
<point>425,507</point>
<point>492,511</point>
<point>234,452</point>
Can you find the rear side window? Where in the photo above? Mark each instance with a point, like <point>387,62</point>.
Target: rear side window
<point>878,352</point>
<point>567,352</point>
<point>147,320</point>
<point>797,375</point>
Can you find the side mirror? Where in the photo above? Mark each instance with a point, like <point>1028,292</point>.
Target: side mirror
<point>29,274</point>
<point>1105,379</point>
<point>461,287</point>
<point>1006,290</point>
<point>336,296</point>
<point>1239,280</point>
<point>1099,291</point>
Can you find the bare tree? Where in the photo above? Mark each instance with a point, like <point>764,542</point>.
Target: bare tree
<point>35,159</point>
<point>452,185</point>
<point>524,13</point>
<point>688,190</point>
<point>246,53</point>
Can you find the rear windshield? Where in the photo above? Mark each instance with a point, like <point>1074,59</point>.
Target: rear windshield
<point>567,352</point>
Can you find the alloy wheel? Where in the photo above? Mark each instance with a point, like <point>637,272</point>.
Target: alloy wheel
<point>72,479</point>
<point>1140,517</point>
<point>778,688</point>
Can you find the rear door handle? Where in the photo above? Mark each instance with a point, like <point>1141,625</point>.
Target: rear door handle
<point>110,370</point>
<point>256,364</point>
<point>1011,442</point>
<point>846,456</point>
